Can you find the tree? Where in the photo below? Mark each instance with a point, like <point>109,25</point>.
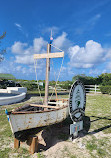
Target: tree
<point>87,80</point>
<point>2,51</point>
<point>105,79</point>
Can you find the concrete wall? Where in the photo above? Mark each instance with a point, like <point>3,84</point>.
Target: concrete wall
<point>12,99</point>
<point>16,90</point>
<point>21,91</point>
<point>3,91</point>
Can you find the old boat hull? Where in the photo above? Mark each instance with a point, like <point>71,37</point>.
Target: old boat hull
<point>20,121</point>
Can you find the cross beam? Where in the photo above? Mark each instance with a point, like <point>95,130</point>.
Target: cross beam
<point>49,55</point>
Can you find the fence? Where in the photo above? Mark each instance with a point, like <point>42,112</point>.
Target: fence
<point>89,89</point>
<point>92,89</point>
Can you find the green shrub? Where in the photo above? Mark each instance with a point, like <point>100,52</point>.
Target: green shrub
<point>31,86</point>
<point>105,89</point>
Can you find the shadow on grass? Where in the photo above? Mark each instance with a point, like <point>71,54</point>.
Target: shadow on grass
<point>100,129</point>
<point>99,118</point>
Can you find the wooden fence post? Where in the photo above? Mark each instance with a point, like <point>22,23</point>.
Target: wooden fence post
<point>95,88</point>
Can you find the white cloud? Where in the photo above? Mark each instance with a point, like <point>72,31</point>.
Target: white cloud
<point>60,41</point>
<point>25,59</point>
<point>18,68</point>
<point>24,53</point>
<point>38,44</point>
<point>21,29</point>
<point>23,62</point>
<point>18,47</point>
<point>94,19</point>
<point>108,55</point>
<point>89,56</point>
<point>86,57</point>
<point>18,26</point>
<point>94,72</point>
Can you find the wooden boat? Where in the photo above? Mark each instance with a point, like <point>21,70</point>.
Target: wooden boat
<point>33,115</point>
<point>39,114</point>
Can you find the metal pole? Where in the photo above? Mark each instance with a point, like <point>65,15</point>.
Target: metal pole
<point>47,75</point>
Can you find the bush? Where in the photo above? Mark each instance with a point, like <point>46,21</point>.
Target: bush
<point>66,84</point>
<point>87,80</point>
<point>105,79</point>
<point>105,89</point>
<point>31,86</point>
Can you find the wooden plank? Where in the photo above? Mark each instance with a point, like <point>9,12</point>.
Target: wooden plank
<point>16,143</point>
<point>45,106</point>
<point>64,99</point>
<point>34,145</point>
<point>57,103</point>
<point>49,55</point>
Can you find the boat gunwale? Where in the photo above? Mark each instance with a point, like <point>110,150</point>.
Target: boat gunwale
<point>32,112</point>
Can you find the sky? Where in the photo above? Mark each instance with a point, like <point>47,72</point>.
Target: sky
<point>81,28</point>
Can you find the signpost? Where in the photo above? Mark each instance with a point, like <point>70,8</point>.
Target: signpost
<point>77,102</point>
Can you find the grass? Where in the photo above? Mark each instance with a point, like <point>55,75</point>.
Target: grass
<point>67,153</point>
<point>98,108</point>
<point>99,146</point>
<point>4,152</point>
<point>91,146</point>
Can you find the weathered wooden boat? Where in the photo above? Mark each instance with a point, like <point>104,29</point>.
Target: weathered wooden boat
<point>33,115</point>
<point>40,114</point>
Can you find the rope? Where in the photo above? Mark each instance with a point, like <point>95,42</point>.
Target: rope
<point>57,78</point>
<point>53,70</point>
<point>35,65</point>
<point>56,48</point>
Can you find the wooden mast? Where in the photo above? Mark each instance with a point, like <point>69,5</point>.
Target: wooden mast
<point>48,56</point>
<point>47,75</point>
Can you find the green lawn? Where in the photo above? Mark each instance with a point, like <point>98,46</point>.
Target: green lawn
<point>97,142</point>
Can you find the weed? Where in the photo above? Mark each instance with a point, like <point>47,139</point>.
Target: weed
<point>101,153</point>
<point>4,153</point>
<point>91,146</point>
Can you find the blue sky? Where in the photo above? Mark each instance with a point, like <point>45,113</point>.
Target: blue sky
<point>82,29</point>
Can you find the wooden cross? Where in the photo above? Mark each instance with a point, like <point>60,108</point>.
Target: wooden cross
<point>48,55</point>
